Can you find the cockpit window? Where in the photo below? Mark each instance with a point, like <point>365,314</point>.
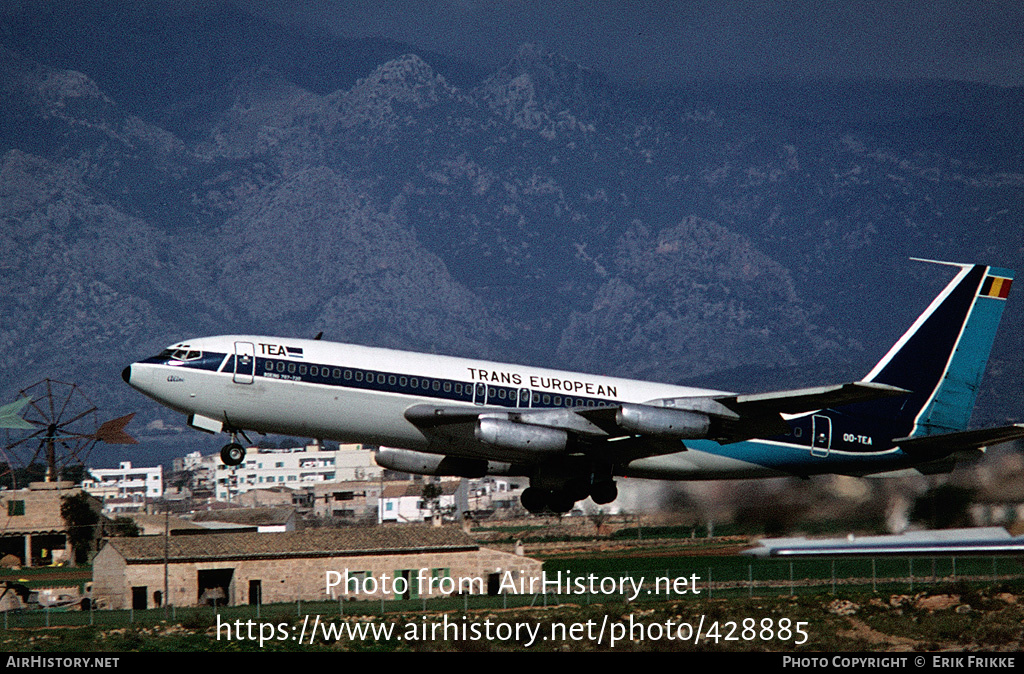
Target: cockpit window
<point>181,354</point>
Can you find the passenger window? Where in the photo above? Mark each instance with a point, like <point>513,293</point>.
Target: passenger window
<point>392,380</point>
<point>337,373</point>
<point>314,370</point>
<point>359,375</point>
<point>437,385</point>
<point>280,366</point>
<point>291,368</point>
<point>447,387</point>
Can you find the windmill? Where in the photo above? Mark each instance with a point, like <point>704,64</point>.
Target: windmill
<point>54,425</point>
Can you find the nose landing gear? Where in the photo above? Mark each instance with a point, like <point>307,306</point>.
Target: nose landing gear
<point>232,454</point>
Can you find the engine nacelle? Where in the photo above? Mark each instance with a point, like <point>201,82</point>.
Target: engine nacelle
<point>523,439</point>
<point>663,422</point>
<point>421,463</point>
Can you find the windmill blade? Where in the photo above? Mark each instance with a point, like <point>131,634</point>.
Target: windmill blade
<point>10,415</point>
<point>24,440</point>
<point>40,449</point>
<point>67,423</point>
<point>112,432</point>
<point>58,426</point>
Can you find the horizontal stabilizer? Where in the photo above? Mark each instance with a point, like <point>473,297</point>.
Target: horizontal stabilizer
<point>10,415</point>
<point>801,400</point>
<point>946,443</point>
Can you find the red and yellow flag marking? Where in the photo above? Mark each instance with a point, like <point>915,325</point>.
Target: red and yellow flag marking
<point>996,286</point>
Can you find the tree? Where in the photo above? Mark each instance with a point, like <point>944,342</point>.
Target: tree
<point>432,497</point>
<point>123,526</point>
<point>81,520</point>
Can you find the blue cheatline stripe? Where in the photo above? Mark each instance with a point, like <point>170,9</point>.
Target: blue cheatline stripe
<point>950,408</point>
<point>799,460</point>
<point>395,382</point>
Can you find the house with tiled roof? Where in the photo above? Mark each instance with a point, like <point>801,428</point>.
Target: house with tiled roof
<point>266,520</point>
<point>32,528</point>
<point>389,562</point>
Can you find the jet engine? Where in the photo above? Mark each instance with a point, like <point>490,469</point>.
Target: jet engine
<point>421,463</point>
<point>663,422</point>
<point>522,439</point>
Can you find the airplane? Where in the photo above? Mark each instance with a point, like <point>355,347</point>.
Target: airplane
<point>574,434</point>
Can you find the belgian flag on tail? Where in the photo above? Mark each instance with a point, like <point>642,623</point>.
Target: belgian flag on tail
<point>996,286</point>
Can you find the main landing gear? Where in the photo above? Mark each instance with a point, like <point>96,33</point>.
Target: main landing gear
<point>232,454</point>
<point>536,499</point>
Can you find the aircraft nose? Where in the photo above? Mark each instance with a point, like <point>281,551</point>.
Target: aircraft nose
<point>126,374</point>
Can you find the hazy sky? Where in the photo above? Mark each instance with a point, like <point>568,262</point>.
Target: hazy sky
<point>979,41</point>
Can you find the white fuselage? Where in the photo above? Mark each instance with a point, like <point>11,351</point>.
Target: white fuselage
<point>294,402</point>
<point>350,393</point>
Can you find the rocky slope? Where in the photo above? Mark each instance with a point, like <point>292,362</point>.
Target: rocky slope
<point>749,236</point>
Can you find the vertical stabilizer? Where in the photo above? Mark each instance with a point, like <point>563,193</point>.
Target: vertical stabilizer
<point>942,357</point>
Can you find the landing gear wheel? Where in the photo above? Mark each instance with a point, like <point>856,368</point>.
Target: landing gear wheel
<point>604,492</point>
<point>534,500</point>
<point>232,454</point>
<point>577,489</point>
<point>561,502</point>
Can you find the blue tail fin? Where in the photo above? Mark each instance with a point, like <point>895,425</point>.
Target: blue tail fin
<point>942,357</point>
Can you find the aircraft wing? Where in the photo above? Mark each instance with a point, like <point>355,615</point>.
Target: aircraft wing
<point>531,434</point>
<point>947,443</point>
<point>745,416</point>
<point>796,401</point>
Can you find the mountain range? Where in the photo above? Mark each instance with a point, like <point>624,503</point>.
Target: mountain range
<point>198,171</point>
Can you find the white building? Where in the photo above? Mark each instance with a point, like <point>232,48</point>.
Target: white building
<point>294,468</point>
<point>404,502</point>
<point>493,493</point>
<point>126,487</point>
